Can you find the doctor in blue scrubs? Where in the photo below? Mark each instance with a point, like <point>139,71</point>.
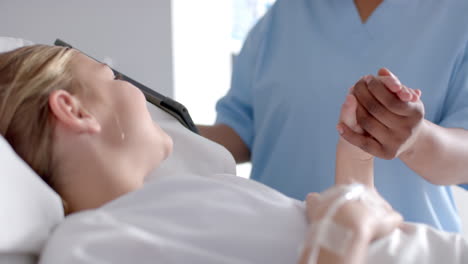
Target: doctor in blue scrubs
<point>295,69</point>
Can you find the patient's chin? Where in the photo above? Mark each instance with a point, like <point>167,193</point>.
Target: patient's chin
<point>169,146</point>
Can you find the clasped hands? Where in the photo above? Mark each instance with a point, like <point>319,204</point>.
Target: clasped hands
<point>390,114</point>
<point>383,118</point>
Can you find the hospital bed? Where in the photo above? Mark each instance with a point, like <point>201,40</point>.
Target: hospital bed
<point>31,211</point>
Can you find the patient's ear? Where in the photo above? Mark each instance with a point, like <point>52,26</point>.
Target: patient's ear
<point>69,111</point>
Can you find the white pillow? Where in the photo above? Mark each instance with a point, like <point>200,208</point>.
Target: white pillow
<point>8,43</point>
<point>30,208</point>
<point>192,153</point>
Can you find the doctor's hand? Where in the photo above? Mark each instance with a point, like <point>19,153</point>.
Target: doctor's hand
<point>391,115</point>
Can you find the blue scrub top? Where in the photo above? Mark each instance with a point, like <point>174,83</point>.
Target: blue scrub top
<point>295,70</point>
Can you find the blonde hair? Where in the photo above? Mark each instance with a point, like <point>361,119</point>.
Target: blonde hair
<point>28,76</point>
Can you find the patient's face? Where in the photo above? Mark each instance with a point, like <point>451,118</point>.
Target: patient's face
<point>121,109</point>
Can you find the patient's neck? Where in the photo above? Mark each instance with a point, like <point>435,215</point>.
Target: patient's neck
<point>89,177</point>
<point>85,189</point>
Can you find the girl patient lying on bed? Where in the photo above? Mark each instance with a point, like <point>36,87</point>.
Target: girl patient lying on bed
<point>89,135</point>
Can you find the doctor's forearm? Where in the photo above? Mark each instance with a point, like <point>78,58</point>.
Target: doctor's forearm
<point>440,155</point>
<point>227,137</point>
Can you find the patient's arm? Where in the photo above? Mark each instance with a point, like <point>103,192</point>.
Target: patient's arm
<point>353,165</point>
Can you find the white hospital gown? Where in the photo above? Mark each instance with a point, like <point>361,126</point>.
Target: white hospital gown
<point>218,219</point>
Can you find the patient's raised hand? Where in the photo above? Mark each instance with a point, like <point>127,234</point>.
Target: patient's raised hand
<point>348,118</point>
<point>353,165</point>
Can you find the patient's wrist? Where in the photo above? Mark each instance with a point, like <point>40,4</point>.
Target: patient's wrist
<point>349,151</point>
<point>353,165</point>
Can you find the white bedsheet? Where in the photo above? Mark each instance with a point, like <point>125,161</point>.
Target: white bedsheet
<point>218,219</point>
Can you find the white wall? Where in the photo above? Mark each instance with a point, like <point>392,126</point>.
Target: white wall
<point>202,57</point>
<point>135,34</point>
<point>202,54</point>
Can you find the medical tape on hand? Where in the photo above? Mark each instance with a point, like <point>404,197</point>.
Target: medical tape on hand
<point>336,238</point>
<point>327,233</point>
